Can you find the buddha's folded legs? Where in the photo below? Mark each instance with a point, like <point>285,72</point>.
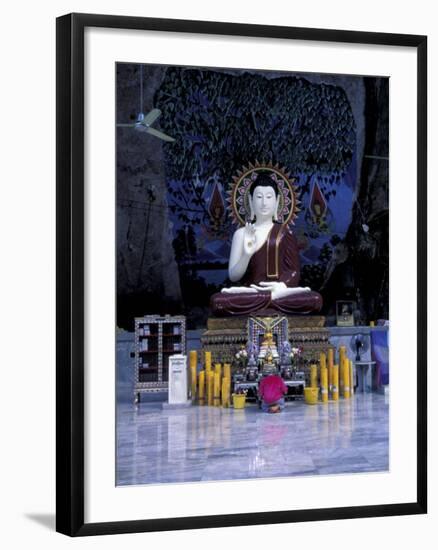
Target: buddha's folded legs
<point>224,304</point>
<point>305,302</point>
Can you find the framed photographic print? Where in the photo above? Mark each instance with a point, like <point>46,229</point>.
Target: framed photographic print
<point>237,206</point>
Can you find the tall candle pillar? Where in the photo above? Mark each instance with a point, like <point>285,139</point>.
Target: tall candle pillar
<point>207,362</point>
<point>342,355</point>
<point>324,384</point>
<point>346,378</point>
<point>201,387</point>
<point>351,378</point>
<point>335,387</point>
<point>330,363</point>
<point>218,369</point>
<point>313,376</point>
<point>227,371</point>
<point>193,361</point>
<point>210,389</point>
<point>322,360</point>
<point>225,392</point>
<point>216,389</point>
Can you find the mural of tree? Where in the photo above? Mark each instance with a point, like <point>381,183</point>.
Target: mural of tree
<point>221,121</point>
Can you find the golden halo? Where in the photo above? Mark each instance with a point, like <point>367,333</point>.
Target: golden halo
<point>238,193</point>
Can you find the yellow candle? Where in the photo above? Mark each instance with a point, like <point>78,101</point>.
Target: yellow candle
<point>346,378</point>
<point>313,376</point>
<point>351,378</point>
<point>193,358</point>
<point>322,360</point>
<point>335,387</point>
<point>324,384</point>
<point>342,355</point>
<point>193,381</point>
<point>225,392</point>
<point>227,371</point>
<point>193,361</point>
<point>201,387</point>
<point>207,361</point>
<point>210,389</point>
<point>330,363</point>
<point>216,389</point>
<point>218,369</point>
<point>372,324</point>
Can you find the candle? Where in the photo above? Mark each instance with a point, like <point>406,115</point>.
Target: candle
<point>313,376</point>
<point>218,369</point>
<point>207,361</point>
<point>372,324</point>
<point>193,381</point>
<point>324,384</point>
<point>227,371</point>
<point>335,387</point>
<point>330,362</point>
<point>193,358</point>
<point>322,360</point>
<point>201,387</point>
<point>351,378</point>
<point>210,382</point>
<point>345,373</point>
<point>225,392</point>
<point>342,355</point>
<point>216,389</point>
<point>193,362</point>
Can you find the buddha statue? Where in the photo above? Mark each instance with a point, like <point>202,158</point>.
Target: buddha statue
<point>264,258</point>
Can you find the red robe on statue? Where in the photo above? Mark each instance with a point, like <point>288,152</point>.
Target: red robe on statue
<point>277,260</point>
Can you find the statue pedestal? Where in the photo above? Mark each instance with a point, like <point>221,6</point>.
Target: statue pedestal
<point>225,336</point>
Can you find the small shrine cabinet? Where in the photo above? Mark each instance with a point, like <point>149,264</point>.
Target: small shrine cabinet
<point>156,339</point>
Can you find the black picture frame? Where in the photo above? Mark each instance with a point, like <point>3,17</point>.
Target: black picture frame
<point>70,273</point>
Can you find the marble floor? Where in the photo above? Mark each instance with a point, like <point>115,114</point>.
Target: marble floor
<point>209,443</point>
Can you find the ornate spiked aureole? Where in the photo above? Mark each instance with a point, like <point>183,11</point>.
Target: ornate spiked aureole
<point>238,192</point>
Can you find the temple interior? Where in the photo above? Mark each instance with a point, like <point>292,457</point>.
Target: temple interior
<point>189,444</point>
<point>252,274</point>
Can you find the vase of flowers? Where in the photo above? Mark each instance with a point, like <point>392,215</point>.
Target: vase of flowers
<point>295,354</point>
<point>241,358</point>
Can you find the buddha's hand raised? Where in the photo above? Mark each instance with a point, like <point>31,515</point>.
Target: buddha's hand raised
<point>249,239</point>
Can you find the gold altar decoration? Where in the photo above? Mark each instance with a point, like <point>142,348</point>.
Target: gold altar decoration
<point>224,337</point>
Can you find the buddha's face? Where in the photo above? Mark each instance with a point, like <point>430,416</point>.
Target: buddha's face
<point>264,202</point>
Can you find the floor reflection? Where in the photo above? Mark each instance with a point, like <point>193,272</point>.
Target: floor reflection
<point>209,443</point>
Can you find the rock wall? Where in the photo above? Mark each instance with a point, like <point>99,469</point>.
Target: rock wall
<point>147,274</point>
